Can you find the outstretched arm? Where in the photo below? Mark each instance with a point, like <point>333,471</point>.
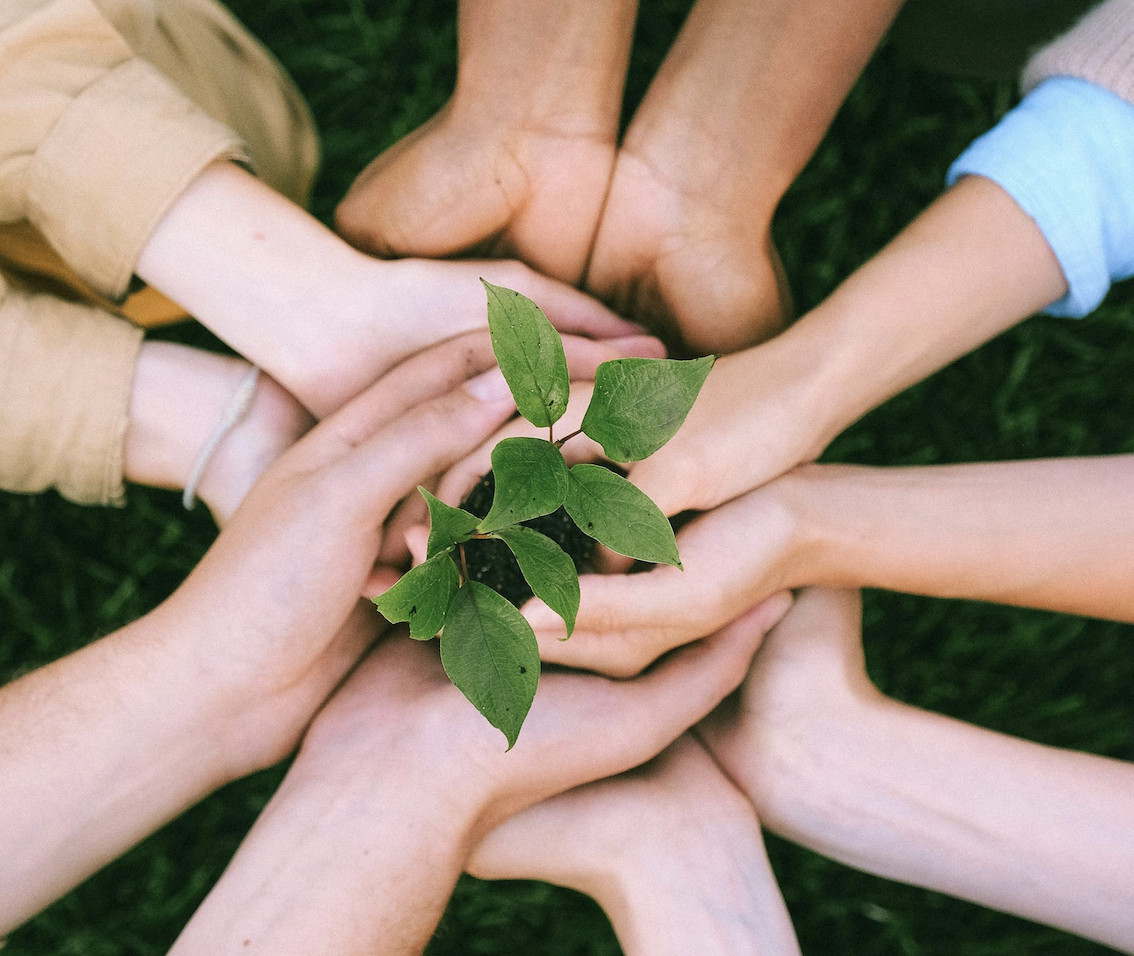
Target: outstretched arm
<point>323,319</point>
<point>399,777</point>
<point>1035,831</point>
<point>969,267</point>
<point>1048,534</point>
<point>103,746</point>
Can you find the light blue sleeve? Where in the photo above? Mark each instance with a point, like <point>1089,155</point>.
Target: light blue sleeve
<point>1065,154</point>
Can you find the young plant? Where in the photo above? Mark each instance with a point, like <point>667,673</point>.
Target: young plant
<point>488,649</point>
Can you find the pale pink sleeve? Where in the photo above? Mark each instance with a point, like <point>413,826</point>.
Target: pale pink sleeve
<point>1099,49</point>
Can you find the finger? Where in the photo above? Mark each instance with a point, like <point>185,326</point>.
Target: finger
<point>411,512</point>
<point>644,715</point>
<point>423,376</point>
<point>390,464</point>
<point>380,580</point>
<point>568,309</point>
<point>625,622</point>
<point>459,479</point>
<point>417,541</point>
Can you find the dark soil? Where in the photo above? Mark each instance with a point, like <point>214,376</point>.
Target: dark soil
<point>492,563</point>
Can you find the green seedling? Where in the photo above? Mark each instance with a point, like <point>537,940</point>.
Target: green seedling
<point>488,649</point>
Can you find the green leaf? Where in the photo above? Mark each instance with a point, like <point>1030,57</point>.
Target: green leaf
<point>615,513</point>
<point>548,569</point>
<point>422,597</point>
<point>639,404</point>
<point>489,651</point>
<point>447,525</point>
<point>530,353</point>
<point>531,480</point>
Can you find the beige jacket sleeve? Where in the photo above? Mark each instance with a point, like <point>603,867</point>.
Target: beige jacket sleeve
<point>95,143</point>
<point>1100,49</point>
<point>66,372</point>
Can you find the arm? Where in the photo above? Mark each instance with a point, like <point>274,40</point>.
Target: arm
<point>1035,831</point>
<point>1047,534</point>
<point>222,678</point>
<point>969,267</point>
<point>399,777</point>
<point>519,160</point>
<point>321,318</point>
<point>736,110</point>
<point>671,851</point>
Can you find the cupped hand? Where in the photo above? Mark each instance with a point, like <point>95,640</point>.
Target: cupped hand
<point>585,838</point>
<point>734,557</point>
<point>808,680</point>
<point>583,358</point>
<point>758,415</point>
<point>399,709</point>
<point>273,607</point>
<point>678,255</point>
<point>464,184</point>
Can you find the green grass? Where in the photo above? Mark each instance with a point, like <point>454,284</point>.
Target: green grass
<point>372,73</point>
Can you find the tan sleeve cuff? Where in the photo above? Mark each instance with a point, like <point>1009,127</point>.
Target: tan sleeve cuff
<point>66,373</point>
<point>1099,49</point>
<point>118,157</point>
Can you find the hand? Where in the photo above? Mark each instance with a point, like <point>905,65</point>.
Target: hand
<point>399,776</point>
<point>274,604</point>
<point>808,681</point>
<point>322,319</point>
<point>735,556</point>
<point>400,706</point>
<point>674,836</point>
<point>409,525</point>
<point>518,162</point>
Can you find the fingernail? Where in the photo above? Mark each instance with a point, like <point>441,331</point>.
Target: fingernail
<point>490,387</point>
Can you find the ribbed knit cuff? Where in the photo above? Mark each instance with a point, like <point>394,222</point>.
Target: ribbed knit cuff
<point>1100,49</point>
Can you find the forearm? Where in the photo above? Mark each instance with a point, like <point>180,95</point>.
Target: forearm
<point>565,69</point>
<point>916,797</point>
<point>339,862</point>
<point>1049,534</point>
<point>273,283</point>
<point>765,79</point>
<point>97,751</point>
<point>971,266</point>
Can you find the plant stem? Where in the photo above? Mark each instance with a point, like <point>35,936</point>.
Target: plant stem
<point>566,438</point>
<point>464,564</point>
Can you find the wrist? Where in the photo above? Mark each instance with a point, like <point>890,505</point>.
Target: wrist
<point>179,395</point>
<point>825,546</point>
<point>806,781</point>
<point>569,77</point>
<point>275,284</point>
<point>707,887</point>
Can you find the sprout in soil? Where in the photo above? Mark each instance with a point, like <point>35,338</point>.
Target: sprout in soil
<point>488,649</point>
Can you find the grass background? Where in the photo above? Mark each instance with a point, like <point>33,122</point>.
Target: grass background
<point>375,70</point>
